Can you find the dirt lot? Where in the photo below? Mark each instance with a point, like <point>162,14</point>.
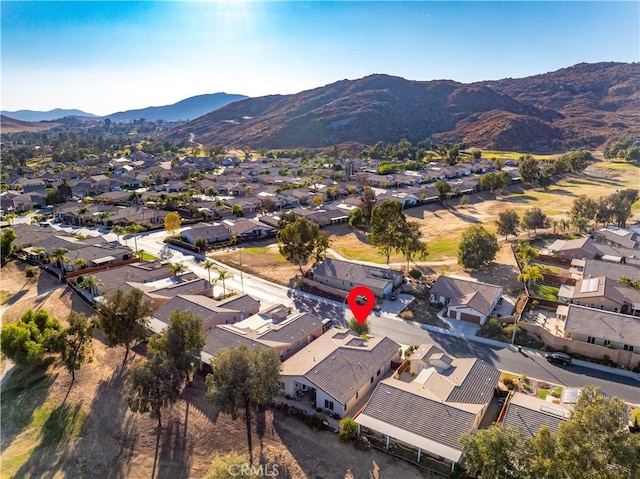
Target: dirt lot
<point>52,429</point>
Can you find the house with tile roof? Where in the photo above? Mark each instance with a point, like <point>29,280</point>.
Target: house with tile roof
<point>430,410</point>
<point>598,327</point>
<point>602,293</point>
<point>345,275</point>
<point>466,299</point>
<point>531,413</point>
<point>272,328</point>
<point>339,368</point>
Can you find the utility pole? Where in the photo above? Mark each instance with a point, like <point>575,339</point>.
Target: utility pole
<point>241,277</point>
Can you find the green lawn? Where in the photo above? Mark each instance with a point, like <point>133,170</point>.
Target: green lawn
<point>545,291</point>
<point>543,393</point>
<point>442,248</point>
<point>273,253</point>
<point>148,257</point>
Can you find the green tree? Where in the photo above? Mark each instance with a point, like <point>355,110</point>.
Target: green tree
<point>388,224</point>
<point>534,218</point>
<point>6,244</point>
<point>172,222</point>
<point>544,180</point>
<point>27,340</point>
<point>134,229</point>
<point>496,453</point>
<point>200,243</point>
<point>594,441</point>
<point>223,275</point>
<point>584,207</point>
<point>154,385</point>
<point>317,201</point>
<point>208,264</point>
<point>508,222</point>
<point>620,204</point>
<point>359,329</point>
<point>182,341</point>
<point>237,211</point>
<point>443,189</point>
<point>124,318</point>
<point>177,268</point>
<point>91,283</point>
<point>580,223</point>
<point>530,274</point>
<point>299,240</point>
<point>529,169</point>
<point>74,344</point>
<point>411,246</point>
<point>357,218</point>
<point>477,247</point>
<point>348,429</point>
<point>243,379</point>
<point>59,259</point>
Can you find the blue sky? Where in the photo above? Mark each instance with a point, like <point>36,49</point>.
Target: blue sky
<point>103,57</point>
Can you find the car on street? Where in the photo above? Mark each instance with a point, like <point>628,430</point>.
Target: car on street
<point>561,358</point>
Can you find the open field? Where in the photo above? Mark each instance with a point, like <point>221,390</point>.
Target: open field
<point>52,428</point>
<point>514,155</point>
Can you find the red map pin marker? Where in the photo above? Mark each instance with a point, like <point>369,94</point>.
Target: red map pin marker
<point>359,307</point>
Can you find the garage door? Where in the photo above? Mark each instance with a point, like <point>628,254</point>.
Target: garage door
<point>452,314</point>
<point>470,318</point>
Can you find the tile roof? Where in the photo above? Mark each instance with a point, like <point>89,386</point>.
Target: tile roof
<point>531,413</point>
<point>401,405</point>
<point>616,327</point>
<point>336,367</point>
<point>356,273</point>
<point>243,303</point>
<point>462,292</point>
<point>202,305</point>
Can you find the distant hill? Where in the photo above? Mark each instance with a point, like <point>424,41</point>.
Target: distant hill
<point>579,106</point>
<point>11,125</point>
<point>56,114</point>
<point>187,109</point>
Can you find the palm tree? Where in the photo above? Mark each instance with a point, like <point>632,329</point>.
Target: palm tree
<point>555,224</point>
<point>80,263</point>
<point>177,268</point>
<point>133,229</point>
<point>58,257</point>
<point>139,253</point>
<point>91,284</point>
<point>39,251</point>
<point>208,265</point>
<point>134,196</point>
<point>104,216</point>
<point>564,225</point>
<point>530,273</point>
<point>118,230</point>
<point>223,274</point>
<point>83,210</point>
<point>9,217</point>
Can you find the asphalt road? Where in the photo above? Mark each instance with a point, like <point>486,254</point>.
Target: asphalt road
<point>532,364</point>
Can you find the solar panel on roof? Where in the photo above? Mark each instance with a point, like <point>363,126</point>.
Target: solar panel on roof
<point>589,285</point>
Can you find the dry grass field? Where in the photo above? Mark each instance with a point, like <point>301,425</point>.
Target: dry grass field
<point>53,429</point>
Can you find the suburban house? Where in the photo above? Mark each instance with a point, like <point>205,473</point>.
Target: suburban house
<point>430,406</point>
<point>574,248</point>
<point>247,229</point>
<point>272,328</point>
<point>602,293</point>
<point>590,268</point>
<point>345,275</point>
<point>616,236</point>
<point>339,368</point>
<point>604,328</point>
<point>213,233</point>
<point>531,413</point>
<point>466,299</point>
<point>212,312</point>
<point>161,291</point>
<point>143,272</point>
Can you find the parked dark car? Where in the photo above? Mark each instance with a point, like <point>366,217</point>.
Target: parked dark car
<point>561,358</point>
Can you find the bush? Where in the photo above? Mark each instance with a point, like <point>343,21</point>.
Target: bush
<point>362,443</point>
<point>30,271</point>
<point>409,351</point>
<point>315,421</point>
<point>415,273</point>
<point>406,314</point>
<point>348,429</point>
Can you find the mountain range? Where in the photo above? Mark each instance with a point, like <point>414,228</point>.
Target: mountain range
<point>581,106</point>
<point>187,109</point>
